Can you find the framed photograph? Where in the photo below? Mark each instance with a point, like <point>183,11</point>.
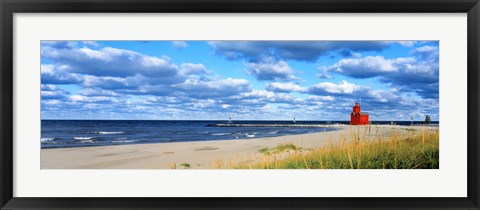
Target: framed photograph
<point>239,105</point>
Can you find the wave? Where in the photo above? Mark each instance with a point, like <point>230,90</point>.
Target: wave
<point>220,134</point>
<point>109,132</point>
<point>123,141</point>
<point>43,140</point>
<point>249,135</point>
<point>86,141</point>
<point>83,138</point>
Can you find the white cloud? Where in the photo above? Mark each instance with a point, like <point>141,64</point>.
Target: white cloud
<point>59,44</point>
<point>216,84</point>
<point>321,98</point>
<point>308,51</point>
<point>104,82</point>
<point>49,92</point>
<point>285,87</point>
<point>193,68</point>
<point>267,107</point>
<point>426,48</point>
<point>80,98</point>
<point>258,94</point>
<point>213,88</point>
<point>372,66</point>
<point>97,92</point>
<point>407,43</point>
<point>365,67</point>
<point>91,43</point>
<point>179,44</point>
<point>429,53</point>
<point>50,74</point>
<point>343,87</point>
<point>417,73</point>
<point>110,61</point>
<point>269,69</point>
<point>264,96</point>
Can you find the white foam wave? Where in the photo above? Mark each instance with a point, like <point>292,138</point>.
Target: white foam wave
<point>82,138</point>
<point>249,135</point>
<point>109,132</point>
<point>220,134</point>
<point>123,141</point>
<point>43,140</point>
<point>86,141</point>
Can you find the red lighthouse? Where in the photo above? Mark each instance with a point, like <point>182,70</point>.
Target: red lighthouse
<point>357,117</point>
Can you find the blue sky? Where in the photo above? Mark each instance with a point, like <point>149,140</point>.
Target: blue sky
<point>247,80</point>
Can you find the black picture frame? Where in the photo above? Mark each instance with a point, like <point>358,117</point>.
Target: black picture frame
<point>10,7</point>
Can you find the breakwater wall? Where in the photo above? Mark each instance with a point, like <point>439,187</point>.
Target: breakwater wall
<point>277,125</point>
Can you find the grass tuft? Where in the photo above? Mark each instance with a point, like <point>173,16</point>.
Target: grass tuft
<point>185,165</point>
<point>279,149</point>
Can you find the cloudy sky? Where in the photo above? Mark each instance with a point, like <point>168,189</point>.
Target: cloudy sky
<point>249,80</point>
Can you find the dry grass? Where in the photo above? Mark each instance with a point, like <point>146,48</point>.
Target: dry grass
<point>357,149</point>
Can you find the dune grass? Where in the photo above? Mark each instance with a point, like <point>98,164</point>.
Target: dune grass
<point>411,150</point>
<point>279,149</point>
<point>185,165</point>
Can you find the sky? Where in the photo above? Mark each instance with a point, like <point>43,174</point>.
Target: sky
<point>244,80</point>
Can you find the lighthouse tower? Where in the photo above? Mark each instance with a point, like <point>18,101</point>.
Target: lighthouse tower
<point>357,117</point>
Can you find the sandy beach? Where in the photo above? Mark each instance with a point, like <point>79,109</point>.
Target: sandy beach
<point>200,154</point>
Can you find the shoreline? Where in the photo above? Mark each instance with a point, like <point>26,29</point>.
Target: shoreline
<point>205,140</point>
<point>197,154</point>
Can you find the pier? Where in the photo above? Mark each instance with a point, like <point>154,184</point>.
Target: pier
<point>276,125</point>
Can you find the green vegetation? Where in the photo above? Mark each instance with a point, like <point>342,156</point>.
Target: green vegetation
<point>279,149</point>
<point>185,165</point>
<point>264,150</point>
<point>427,119</point>
<point>413,150</point>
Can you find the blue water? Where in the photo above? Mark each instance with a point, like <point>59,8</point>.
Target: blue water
<point>84,133</point>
